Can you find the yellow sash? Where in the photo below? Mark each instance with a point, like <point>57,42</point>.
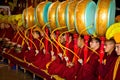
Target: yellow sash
<point>116,67</point>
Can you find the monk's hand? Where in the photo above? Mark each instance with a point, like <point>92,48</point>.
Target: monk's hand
<point>52,53</point>
<point>60,55</point>
<point>36,52</point>
<point>28,47</point>
<point>69,64</point>
<point>53,56</point>
<point>80,61</point>
<point>66,58</point>
<point>44,51</point>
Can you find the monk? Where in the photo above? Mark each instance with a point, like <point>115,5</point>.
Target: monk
<point>109,58</point>
<point>89,70</point>
<point>113,73</point>
<point>73,67</point>
<point>30,55</point>
<point>44,56</point>
<point>18,44</point>
<point>9,31</point>
<point>59,62</point>
<point>116,73</point>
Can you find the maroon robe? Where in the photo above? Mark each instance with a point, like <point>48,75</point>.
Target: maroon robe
<point>58,66</point>
<point>30,55</point>
<point>18,39</point>
<point>89,70</point>
<point>61,69</point>
<point>108,62</point>
<point>53,66</point>
<point>109,67</point>
<point>14,39</point>
<point>46,56</point>
<point>9,33</point>
<point>2,33</point>
<point>71,72</point>
<point>43,58</point>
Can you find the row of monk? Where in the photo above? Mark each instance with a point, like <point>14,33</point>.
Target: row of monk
<point>69,58</point>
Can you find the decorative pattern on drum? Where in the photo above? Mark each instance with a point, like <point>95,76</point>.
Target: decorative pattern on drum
<point>52,15</point>
<point>28,17</point>
<point>41,13</point>
<point>105,16</point>
<point>84,17</point>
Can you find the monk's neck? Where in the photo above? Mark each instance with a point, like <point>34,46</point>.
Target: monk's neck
<point>110,52</point>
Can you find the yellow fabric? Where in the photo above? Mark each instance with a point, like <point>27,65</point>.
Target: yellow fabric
<point>116,67</point>
<point>117,37</point>
<point>112,30</point>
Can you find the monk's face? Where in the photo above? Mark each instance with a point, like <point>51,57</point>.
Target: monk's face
<point>62,39</point>
<point>94,44</point>
<point>80,42</point>
<point>109,46</point>
<point>117,48</point>
<point>35,35</point>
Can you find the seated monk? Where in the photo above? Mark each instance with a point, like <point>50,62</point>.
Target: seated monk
<point>73,67</point>
<point>44,56</point>
<point>30,54</point>
<point>89,70</point>
<point>59,60</point>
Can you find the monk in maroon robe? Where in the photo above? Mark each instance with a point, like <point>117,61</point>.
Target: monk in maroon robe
<point>109,58</point>
<point>2,30</point>
<point>114,68</point>
<point>59,60</point>
<point>73,67</point>
<point>19,46</point>
<point>30,55</point>
<point>89,70</point>
<point>44,55</point>
<point>9,31</point>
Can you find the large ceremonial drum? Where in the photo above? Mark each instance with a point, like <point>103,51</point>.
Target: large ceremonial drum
<point>41,13</point>
<point>105,16</point>
<point>70,15</point>
<point>28,17</point>
<point>60,14</point>
<point>84,17</point>
<point>52,15</point>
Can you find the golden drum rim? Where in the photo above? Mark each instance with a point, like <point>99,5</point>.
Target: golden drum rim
<point>101,17</point>
<point>52,15</point>
<point>80,21</point>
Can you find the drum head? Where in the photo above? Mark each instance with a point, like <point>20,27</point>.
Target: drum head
<point>84,14</point>
<point>70,15</point>
<point>89,17</point>
<point>105,16</point>
<point>60,14</point>
<point>28,17</point>
<point>52,15</point>
<point>41,12</point>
